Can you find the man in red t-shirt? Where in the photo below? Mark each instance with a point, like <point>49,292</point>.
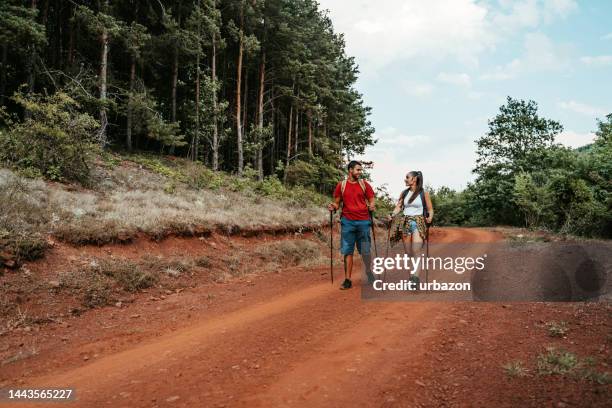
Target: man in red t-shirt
<point>357,202</point>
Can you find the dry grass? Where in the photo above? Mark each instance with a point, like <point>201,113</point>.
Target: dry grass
<point>129,200</point>
<point>24,218</point>
<point>127,274</point>
<point>294,252</point>
<point>93,289</point>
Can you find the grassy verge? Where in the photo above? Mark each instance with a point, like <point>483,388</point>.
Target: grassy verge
<point>145,195</point>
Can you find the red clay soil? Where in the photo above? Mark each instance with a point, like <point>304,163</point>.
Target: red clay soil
<point>292,339</point>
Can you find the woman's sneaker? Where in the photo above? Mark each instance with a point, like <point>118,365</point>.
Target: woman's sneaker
<point>347,284</point>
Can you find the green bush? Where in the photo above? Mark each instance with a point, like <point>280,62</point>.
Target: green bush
<point>302,173</point>
<point>55,139</point>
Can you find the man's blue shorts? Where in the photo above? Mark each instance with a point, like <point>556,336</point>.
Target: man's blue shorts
<point>355,232</point>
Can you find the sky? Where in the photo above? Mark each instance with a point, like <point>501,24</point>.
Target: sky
<point>435,71</point>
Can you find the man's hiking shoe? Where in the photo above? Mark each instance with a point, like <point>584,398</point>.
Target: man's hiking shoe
<point>347,284</point>
<point>416,281</point>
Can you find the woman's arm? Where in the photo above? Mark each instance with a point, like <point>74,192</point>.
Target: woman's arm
<point>430,209</point>
<point>398,207</point>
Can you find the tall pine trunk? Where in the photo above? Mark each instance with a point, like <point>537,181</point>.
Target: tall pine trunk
<point>290,127</point>
<point>32,60</point>
<point>196,134</point>
<point>3,75</point>
<point>238,110</point>
<point>238,89</point>
<point>215,146</point>
<point>71,40</point>
<point>297,134</point>
<point>128,138</point>
<point>310,133</point>
<point>175,61</point>
<point>262,76</point>
<point>103,84</point>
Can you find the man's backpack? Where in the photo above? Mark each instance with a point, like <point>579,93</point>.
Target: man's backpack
<point>422,194</point>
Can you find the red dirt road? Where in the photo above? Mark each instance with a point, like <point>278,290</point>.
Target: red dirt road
<point>298,341</point>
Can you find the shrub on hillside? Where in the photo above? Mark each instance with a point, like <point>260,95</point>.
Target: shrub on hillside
<point>54,140</point>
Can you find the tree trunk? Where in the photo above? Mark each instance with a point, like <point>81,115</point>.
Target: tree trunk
<point>31,65</point>
<point>3,75</point>
<point>290,127</point>
<point>245,97</point>
<point>128,139</point>
<point>60,36</point>
<point>103,71</point>
<point>297,134</point>
<point>309,133</point>
<point>215,152</point>
<point>196,134</point>
<point>262,76</point>
<point>70,56</point>
<point>174,82</point>
<point>238,96</point>
<point>274,147</point>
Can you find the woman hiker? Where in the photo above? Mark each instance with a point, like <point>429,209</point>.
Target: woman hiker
<point>357,199</point>
<point>417,211</point>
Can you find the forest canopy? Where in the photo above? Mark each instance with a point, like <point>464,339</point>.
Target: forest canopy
<point>229,83</point>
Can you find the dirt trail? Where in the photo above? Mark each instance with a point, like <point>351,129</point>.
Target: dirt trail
<point>310,345</point>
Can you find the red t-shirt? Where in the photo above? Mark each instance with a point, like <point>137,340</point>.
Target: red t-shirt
<point>354,205</point>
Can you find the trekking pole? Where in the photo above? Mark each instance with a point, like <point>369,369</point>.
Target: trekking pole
<point>427,254</point>
<point>373,235</point>
<point>387,248</point>
<point>331,245</point>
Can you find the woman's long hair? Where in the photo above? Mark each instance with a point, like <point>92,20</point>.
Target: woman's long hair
<point>419,185</point>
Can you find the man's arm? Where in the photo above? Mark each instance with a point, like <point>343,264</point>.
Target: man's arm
<point>335,205</point>
<point>370,196</point>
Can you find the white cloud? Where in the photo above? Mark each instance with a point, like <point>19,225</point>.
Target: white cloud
<point>583,109</point>
<point>540,53</point>
<point>598,60</point>
<point>418,88</point>
<point>574,139</point>
<point>455,79</point>
<point>379,33</point>
<point>390,137</point>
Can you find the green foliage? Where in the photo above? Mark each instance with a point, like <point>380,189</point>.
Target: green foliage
<point>532,200</point>
<point>18,24</point>
<point>450,207</point>
<point>514,134</point>
<point>556,362</point>
<point>56,139</point>
<point>523,178</point>
<point>384,202</point>
<point>302,173</point>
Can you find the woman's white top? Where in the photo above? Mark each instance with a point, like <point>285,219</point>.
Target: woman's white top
<point>415,207</point>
